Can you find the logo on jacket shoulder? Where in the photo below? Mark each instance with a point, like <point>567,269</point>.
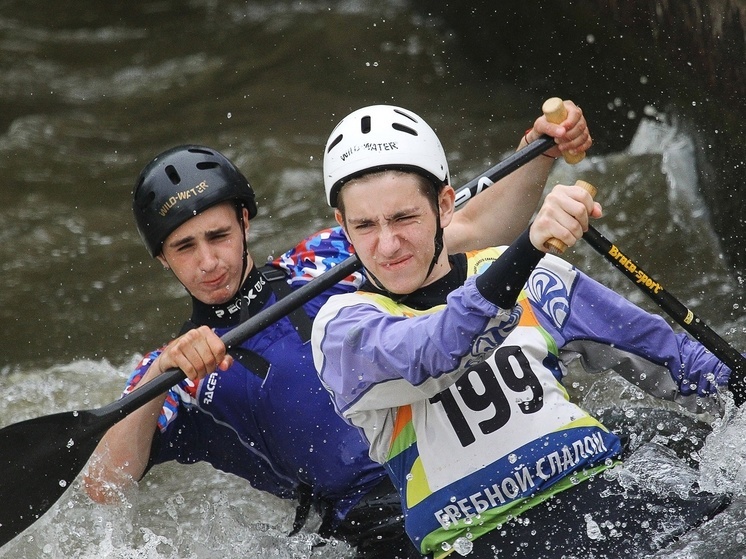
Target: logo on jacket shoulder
<point>551,293</point>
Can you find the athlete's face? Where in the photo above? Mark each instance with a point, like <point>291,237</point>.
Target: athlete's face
<point>206,253</point>
<point>392,224</point>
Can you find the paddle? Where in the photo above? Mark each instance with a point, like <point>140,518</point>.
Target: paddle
<point>670,304</point>
<point>554,111</point>
<point>39,458</point>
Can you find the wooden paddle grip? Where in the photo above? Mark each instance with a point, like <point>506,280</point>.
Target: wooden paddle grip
<point>556,246</point>
<point>555,111</point>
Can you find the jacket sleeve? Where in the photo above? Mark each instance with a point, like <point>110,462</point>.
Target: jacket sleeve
<point>605,330</point>
<point>369,358</point>
<point>317,254</point>
<point>170,409</point>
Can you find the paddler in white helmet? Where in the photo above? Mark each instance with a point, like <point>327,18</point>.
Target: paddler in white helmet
<point>451,364</point>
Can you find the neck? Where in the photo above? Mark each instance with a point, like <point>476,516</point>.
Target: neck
<point>432,294</point>
<point>248,300</point>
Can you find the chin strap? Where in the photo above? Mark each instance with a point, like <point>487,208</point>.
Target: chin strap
<point>244,308</point>
<point>439,244</point>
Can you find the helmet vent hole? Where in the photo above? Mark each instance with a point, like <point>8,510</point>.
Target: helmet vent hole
<point>200,150</point>
<point>365,124</point>
<point>143,200</point>
<point>172,175</point>
<point>405,114</point>
<point>402,128</point>
<point>206,165</point>
<point>334,143</point>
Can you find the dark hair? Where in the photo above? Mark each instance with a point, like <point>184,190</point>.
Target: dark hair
<point>429,188</point>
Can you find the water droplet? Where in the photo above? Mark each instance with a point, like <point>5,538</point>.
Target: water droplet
<point>463,546</point>
<point>70,443</point>
<point>592,528</point>
<point>63,483</point>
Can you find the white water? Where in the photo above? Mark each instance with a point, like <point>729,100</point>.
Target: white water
<point>184,512</point>
<point>195,512</point>
<point>88,105</point>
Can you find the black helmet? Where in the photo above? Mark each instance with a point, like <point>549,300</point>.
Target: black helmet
<point>180,183</point>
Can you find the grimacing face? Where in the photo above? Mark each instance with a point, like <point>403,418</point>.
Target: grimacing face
<point>206,253</point>
<point>392,225</point>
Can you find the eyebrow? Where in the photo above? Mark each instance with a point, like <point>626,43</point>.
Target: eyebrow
<point>396,215</point>
<point>208,234</point>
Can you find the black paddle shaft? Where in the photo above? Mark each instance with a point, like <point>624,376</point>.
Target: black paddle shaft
<point>314,288</point>
<point>676,310</point>
<point>40,458</point>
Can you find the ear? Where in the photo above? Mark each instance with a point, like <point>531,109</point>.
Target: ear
<point>341,221</point>
<point>246,224</point>
<point>163,262</point>
<point>446,204</point>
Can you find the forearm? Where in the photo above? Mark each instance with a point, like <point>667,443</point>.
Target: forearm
<point>503,280</point>
<point>503,210</point>
<point>120,459</point>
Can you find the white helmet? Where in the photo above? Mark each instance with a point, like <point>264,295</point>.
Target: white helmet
<point>381,137</point>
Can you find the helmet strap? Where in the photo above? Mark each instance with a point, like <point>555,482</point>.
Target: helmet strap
<point>245,265</point>
<point>438,242</point>
<point>393,296</point>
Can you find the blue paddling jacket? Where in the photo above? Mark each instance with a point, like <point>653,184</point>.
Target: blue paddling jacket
<point>268,419</point>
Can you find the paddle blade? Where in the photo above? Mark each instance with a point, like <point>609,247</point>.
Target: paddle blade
<point>39,459</point>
